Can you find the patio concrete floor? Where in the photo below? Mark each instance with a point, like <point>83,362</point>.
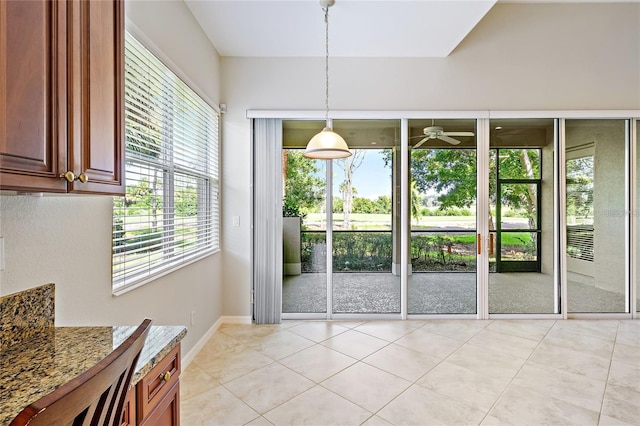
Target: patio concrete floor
<point>440,293</point>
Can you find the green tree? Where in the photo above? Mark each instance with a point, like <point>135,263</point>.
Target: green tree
<point>302,186</point>
<point>517,164</point>
<point>416,198</point>
<point>363,205</point>
<point>186,201</point>
<point>580,187</point>
<point>451,173</point>
<point>338,205</point>
<point>383,204</point>
<point>139,198</point>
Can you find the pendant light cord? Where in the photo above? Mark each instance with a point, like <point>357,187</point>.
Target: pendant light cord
<point>326,64</point>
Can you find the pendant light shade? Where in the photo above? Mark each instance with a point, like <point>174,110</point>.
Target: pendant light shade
<point>327,144</point>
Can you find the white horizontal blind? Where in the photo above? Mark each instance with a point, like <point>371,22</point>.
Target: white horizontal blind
<point>580,212</point>
<point>169,216</point>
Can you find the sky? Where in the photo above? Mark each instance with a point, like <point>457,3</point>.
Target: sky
<point>370,180</point>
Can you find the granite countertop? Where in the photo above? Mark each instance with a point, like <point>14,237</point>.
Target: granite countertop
<point>53,356</point>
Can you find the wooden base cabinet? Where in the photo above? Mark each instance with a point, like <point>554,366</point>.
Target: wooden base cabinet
<point>158,393</point>
<point>129,411</point>
<point>167,412</point>
<point>61,96</point>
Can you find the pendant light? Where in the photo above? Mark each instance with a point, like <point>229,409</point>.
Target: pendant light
<point>327,144</point>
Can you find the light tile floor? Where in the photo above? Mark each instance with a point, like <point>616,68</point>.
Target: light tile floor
<point>427,372</point>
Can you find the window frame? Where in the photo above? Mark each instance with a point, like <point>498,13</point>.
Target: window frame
<point>207,181</point>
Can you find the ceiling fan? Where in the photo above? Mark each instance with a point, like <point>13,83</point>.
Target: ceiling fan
<point>437,132</point>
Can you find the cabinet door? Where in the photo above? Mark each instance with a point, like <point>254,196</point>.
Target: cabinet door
<point>96,124</point>
<point>129,411</point>
<point>167,412</point>
<point>33,95</point>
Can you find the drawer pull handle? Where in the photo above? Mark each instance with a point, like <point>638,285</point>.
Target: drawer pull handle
<point>72,177</point>
<point>166,376</point>
<point>69,176</point>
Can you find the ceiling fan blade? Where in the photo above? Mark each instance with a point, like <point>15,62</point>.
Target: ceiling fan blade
<point>447,139</point>
<point>459,133</point>
<point>421,142</point>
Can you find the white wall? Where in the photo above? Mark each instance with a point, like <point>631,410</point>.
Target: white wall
<point>171,27</point>
<point>67,239</point>
<point>608,204</point>
<point>519,57</point>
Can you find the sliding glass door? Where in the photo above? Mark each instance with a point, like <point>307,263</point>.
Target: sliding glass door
<point>473,206</point>
<point>636,216</point>
<point>304,233</point>
<point>596,216</point>
<point>339,250</point>
<point>364,229</point>
<point>442,210</point>
<point>521,221</point>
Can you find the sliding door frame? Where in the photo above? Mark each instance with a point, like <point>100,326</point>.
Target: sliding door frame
<point>629,189</point>
<point>560,219</point>
<point>405,225</point>
<point>634,220</point>
<point>559,237</point>
<point>482,118</point>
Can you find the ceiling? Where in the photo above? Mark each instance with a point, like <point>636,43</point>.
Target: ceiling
<point>357,28</point>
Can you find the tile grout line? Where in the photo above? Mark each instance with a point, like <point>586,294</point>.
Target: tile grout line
<point>246,342</point>
<point>606,383</point>
<point>517,372</point>
<point>319,343</point>
<point>415,382</point>
<point>388,343</point>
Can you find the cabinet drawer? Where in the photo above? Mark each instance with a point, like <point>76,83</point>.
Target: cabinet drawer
<point>167,412</point>
<point>155,385</point>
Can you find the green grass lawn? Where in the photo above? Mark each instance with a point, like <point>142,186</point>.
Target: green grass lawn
<point>430,250</point>
<point>363,222</point>
<point>383,221</point>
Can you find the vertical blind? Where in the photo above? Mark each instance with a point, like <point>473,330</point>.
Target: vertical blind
<point>170,213</point>
<point>267,223</point>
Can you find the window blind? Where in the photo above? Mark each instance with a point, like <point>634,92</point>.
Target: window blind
<point>580,207</point>
<point>170,214</point>
<point>267,225</point>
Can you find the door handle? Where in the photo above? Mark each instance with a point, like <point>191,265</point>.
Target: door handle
<point>479,243</point>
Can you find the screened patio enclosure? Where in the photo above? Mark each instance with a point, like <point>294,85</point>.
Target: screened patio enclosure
<point>506,219</point>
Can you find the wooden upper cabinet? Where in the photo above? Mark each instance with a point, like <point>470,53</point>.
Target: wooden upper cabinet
<point>61,96</point>
<point>33,95</point>
<point>96,95</point>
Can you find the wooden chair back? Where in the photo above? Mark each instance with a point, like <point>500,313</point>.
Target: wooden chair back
<point>95,397</point>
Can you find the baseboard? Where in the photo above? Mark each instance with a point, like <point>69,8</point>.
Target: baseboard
<point>186,359</point>
<point>236,320</point>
